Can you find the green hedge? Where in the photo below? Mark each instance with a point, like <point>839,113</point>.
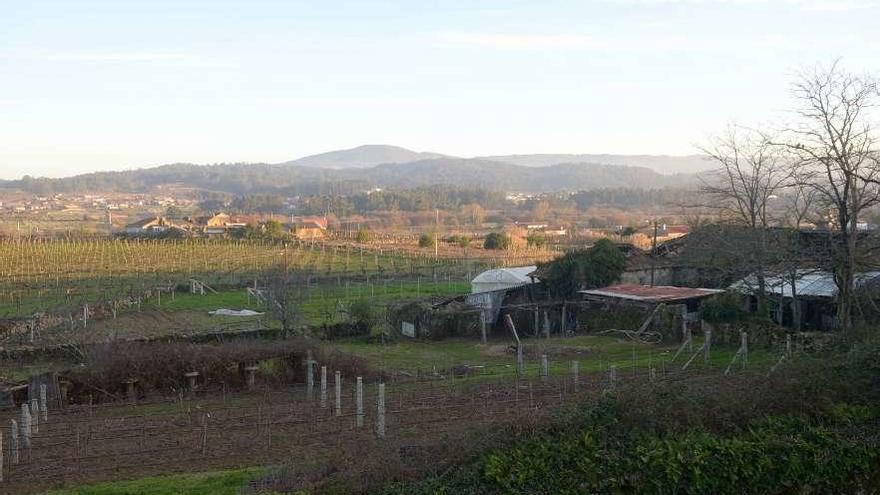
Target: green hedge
<point>787,454</point>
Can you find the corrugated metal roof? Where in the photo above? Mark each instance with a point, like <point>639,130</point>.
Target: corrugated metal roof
<point>808,283</point>
<point>513,275</point>
<point>646,293</point>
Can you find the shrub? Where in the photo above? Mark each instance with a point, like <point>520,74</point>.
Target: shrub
<point>496,240</point>
<point>460,240</point>
<point>598,266</point>
<point>427,240</point>
<point>160,366</point>
<point>536,240</point>
<point>723,308</point>
<point>363,236</point>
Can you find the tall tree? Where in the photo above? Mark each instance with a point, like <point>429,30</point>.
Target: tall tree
<point>835,146</point>
<point>750,173</point>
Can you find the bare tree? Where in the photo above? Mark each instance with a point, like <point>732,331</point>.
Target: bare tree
<point>751,172</point>
<point>282,294</point>
<point>835,146</point>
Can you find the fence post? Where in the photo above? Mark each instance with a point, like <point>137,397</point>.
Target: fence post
<point>380,412</point>
<point>788,345</point>
<point>310,379</point>
<point>323,386</point>
<point>744,343</point>
<point>1,456</point>
<point>520,369</point>
<point>338,383</point>
<point>574,374</point>
<point>562,323</point>
<point>43,403</point>
<point>707,345</point>
<point>612,376</point>
<point>13,444</point>
<point>35,416</point>
<point>483,337</point>
<point>25,426</point>
<point>545,367</point>
<point>359,402</point>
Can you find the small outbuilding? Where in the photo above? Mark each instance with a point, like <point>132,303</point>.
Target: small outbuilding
<point>807,298</point>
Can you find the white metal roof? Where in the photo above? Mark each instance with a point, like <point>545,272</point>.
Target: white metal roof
<point>809,283</point>
<point>513,275</point>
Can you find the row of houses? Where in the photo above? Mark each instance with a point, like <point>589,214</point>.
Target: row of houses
<point>221,224</point>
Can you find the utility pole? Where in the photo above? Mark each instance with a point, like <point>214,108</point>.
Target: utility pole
<point>653,252</point>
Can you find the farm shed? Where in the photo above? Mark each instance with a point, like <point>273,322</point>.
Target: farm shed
<point>666,309</point>
<point>813,291</point>
<point>652,295</point>
<point>502,278</point>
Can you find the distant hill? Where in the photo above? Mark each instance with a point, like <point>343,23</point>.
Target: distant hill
<point>501,176</point>
<point>289,180</point>
<point>363,156</point>
<point>659,163</point>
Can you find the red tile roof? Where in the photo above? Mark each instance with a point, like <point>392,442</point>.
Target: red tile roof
<point>660,293</point>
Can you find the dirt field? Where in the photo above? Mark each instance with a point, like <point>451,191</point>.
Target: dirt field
<point>87,444</point>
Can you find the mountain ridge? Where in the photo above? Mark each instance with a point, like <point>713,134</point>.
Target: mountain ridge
<point>282,179</point>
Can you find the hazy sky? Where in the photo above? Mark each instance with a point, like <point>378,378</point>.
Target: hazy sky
<point>95,85</point>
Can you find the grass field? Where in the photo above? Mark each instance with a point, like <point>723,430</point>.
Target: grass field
<point>211,483</point>
<point>593,354</point>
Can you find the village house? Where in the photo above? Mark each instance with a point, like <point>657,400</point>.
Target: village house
<point>305,228</point>
<point>148,226</point>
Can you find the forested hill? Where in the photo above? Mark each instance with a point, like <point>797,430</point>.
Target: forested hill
<point>285,179</point>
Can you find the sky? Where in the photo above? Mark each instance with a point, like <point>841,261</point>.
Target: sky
<point>113,85</point>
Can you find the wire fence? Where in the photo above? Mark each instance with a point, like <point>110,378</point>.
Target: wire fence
<point>209,428</point>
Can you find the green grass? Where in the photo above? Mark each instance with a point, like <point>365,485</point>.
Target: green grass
<point>234,299</point>
<point>321,304</point>
<point>593,353</point>
<point>210,483</point>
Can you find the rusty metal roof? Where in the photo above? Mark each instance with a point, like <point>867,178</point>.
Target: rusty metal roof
<point>646,293</point>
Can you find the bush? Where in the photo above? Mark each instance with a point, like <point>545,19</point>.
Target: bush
<point>599,266</point>
<point>810,427</point>
<point>363,236</point>
<point>364,314</point>
<point>160,366</point>
<point>427,240</point>
<point>460,240</point>
<point>496,240</point>
<point>723,308</point>
<point>536,240</point>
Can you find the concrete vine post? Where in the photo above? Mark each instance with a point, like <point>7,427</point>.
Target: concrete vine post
<point>25,426</point>
<point>545,368</point>
<point>35,416</point>
<point>310,379</point>
<point>338,386</point>
<point>707,346</point>
<point>520,368</point>
<point>43,403</point>
<point>380,412</point>
<point>359,403</point>
<point>574,374</point>
<point>13,443</point>
<point>323,386</point>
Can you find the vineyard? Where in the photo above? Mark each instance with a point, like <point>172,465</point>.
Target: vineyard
<point>319,427</point>
<point>55,276</point>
